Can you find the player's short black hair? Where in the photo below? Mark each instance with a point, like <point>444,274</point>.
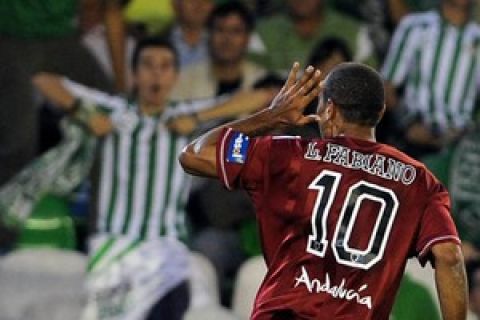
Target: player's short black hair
<point>358,91</point>
<point>232,7</point>
<point>472,267</point>
<point>152,42</point>
<point>326,48</point>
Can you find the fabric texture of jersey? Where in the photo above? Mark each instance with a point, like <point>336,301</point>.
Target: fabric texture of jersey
<point>338,219</point>
<point>143,189</point>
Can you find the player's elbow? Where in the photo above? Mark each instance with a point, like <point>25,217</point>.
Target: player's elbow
<point>199,164</point>
<point>449,254</point>
<point>187,159</point>
<point>40,78</point>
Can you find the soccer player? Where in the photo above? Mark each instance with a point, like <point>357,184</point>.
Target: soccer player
<point>338,216</point>
<point>138,266</point>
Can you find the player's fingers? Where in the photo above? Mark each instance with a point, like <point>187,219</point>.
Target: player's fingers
<point>311,118</point>
<point>313,82</point>
<point>314,92</point>
<point>292,76</point>
<point>307,75</point>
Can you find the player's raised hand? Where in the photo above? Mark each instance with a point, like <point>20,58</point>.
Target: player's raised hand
<point>289,104</point>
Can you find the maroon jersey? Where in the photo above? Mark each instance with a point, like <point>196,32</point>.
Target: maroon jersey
<point>338,219</point>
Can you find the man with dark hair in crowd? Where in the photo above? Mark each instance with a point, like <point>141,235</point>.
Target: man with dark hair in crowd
<point>189,33</point>
<point>142,189</point>
<point>332,212</point>
<point>281,39</point>
<point>227,70</point>
<point>326,55</point>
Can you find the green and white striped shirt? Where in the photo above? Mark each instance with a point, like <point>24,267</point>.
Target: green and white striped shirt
<point>439,65</point>
<point>143,189</point>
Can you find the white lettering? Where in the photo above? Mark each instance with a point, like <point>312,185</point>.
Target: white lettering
<point>338,291</point>
<point>375,164</point>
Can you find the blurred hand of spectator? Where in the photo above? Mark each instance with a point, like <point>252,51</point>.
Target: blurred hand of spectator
<point>469,251</point>
<point>183,125</point>
<point>100,125</point>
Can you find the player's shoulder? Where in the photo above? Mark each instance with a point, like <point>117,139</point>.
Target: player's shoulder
<point>421,18</point>
<point>424,175</point>
<point>285,141</point>
<point>278,145</point>
<point>400,155</point>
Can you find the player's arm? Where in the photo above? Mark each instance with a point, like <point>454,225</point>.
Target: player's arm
<point>242,103</point>
<point>53,88</point>
<point>450,279</point>
<point>286,109</point>
<point>115,29</point>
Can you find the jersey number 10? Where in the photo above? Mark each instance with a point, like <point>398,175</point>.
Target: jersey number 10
<point>326,183</point>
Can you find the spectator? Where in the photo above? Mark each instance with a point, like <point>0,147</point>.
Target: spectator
<point>325,56</point>
<point>94,38</point>
<point>227,69</point>
<point>398,9</point>
<point>328,53</point>
<point>40,35</point>
<point>284,38</point>
<point>473,275</point>
<point>434,55</point>
<point>189,34</point>
<point>457,168</point>
<point>142,188</point>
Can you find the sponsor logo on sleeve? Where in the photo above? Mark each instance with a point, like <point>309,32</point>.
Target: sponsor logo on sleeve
<point>237,148</point>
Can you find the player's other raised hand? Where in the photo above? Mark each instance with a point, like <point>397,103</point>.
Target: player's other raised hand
<point>296,94</point>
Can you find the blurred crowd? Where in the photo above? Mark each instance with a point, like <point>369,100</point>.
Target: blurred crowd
<point>427,51</point>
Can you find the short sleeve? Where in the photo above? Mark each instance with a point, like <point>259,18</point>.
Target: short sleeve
<point>241,160</point>
<point>436,225</point>
<point>176,109</point>
<point>96,97</point>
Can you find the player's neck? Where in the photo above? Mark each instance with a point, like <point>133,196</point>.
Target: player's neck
<point>454,14</point>
<point>227,71</point>
<point>356,131</point>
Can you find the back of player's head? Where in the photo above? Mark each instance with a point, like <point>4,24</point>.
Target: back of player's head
<point>358,92</point>
<point>152,42</point>
<point>232,8</point>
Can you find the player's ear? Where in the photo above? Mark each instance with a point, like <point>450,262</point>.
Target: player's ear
<point>330,109</point>
<point>382,112</point>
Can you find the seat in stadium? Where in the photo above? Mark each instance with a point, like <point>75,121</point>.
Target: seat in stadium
<point>29,275</point>
<point>249,278</point>
<point>209,313</point>
<point>203,282</point>
<point>56,307</point>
